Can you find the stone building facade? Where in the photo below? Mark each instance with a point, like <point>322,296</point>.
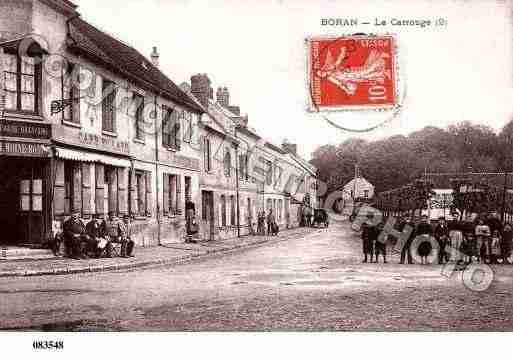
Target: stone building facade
<point>94,126</point>
<point>242,173</point>
<point>90,124</point>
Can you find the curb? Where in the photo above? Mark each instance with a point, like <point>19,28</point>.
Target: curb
<point>154,262</point>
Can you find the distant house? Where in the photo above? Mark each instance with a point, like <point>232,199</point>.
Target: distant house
<point>358,187</point>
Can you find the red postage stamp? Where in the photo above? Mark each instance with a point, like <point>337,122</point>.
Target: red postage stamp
<point>352,72</point>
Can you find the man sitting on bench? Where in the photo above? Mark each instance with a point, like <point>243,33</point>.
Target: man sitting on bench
<point>75,236</point>
<point>96,231</point>
<point>127,244</point>
<point>118,233</point>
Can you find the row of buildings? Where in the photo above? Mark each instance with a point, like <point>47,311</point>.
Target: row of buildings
<point>88,123</point>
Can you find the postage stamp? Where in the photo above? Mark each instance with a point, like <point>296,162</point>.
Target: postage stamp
<point>352,72</point>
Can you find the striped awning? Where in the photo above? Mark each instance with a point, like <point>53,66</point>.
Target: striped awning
<point>83,156</point>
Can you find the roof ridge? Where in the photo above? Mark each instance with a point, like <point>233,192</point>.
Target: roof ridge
<point>106,32</point>
<point>128,60</point>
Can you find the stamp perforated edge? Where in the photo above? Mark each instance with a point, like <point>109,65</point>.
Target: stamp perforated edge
<point>312,108</point>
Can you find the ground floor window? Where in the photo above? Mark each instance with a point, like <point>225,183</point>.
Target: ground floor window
<point>250,210</point>
<point>172,194</point>
<point>140,192</point>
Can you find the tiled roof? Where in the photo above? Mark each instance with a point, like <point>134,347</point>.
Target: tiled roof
<point>120,57</point>
<point>214,115</point>
<point>443,180</point>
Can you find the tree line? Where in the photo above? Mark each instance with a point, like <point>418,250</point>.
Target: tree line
<point>398,160</point>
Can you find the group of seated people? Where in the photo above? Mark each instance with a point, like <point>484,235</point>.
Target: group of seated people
<point>98,237</point>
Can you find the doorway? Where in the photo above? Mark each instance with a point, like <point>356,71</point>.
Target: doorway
<point>22,201</point>
<point>207,213</point>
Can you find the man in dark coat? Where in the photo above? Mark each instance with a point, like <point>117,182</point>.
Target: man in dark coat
<point>271,221</point>
<point>96,231</point>
<point>379,246</point>
<point>424,227</point>
<point>113,233</point>
<point>494,222</point>
<point>127,244</point>
<point>75,235</point>
<point>442,237</point>
<point>368,237</point>
<point>405,251</point>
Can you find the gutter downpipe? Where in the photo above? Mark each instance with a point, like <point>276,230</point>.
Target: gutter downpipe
<point>237,183</point>
<point>157,189</point>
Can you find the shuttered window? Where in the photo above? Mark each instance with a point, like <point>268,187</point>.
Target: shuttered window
<point>172,192</point>
<point>109,106</point>
<point>71,91</point>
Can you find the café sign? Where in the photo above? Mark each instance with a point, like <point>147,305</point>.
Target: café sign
<point>25,130</point>
<point>25,149</point>
<point>103,142</point>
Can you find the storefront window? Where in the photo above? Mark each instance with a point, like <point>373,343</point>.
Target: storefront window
<point>31,195</point>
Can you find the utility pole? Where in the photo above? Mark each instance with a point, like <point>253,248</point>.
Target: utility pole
<point>504,195</point>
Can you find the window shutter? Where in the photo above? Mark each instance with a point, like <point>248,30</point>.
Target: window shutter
<point>179,195</point>
<point>133,189</point>
<point>204,150</point>
<point>165,192</point>
<point>75,105</point>
<point>178,138</point>
<point>149,204</point>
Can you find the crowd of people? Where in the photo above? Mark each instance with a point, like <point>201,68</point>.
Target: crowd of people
<point>267,221</point>
<point>486,240</point>
<point>96,239</point>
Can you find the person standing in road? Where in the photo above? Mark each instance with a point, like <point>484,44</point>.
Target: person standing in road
<point>482,236</point>
<point>425,230</point>
<point>261,223</point>
<point>507,238</point>
<point>270,223</point>
<point>406,250</point>
<point>367,239</point>
<point>442,237</point>
<point>380,246</point>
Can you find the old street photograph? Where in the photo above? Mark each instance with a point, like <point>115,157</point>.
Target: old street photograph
<point>272,166</point>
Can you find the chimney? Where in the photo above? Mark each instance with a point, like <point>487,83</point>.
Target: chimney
<point>223,96</point>
<point>155,57</point>
<point>290,147</point>
<point>235,110</point>
<point>201,88</point>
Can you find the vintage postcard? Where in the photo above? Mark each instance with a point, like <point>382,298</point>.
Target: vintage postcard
<point>278,167</point>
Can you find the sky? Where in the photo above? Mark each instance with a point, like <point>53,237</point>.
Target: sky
<point>461,71</point>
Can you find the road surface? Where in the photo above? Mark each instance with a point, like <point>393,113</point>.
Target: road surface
<point>312,283</point>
